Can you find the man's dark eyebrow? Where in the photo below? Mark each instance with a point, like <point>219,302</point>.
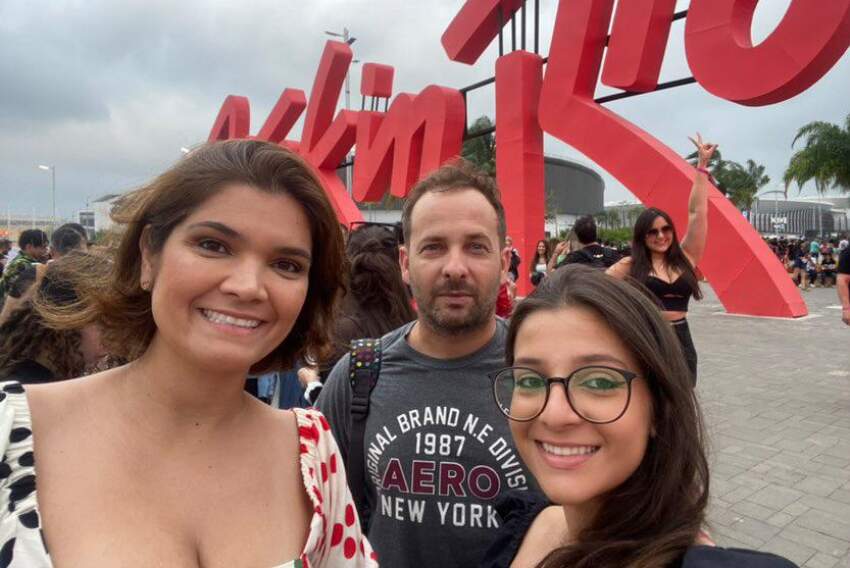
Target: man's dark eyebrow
<point>475,236</point>
<point>234,234</point>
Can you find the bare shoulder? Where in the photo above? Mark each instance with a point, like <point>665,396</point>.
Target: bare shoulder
<point>546,533</point>
<point>621,268</point>
<point>54,404</point>
<point>283,422</point>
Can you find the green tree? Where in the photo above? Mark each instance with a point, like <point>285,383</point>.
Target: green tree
<point>481,150</point>
<point>825,159</point>
<point>743,183</point>
<point>738,183</point>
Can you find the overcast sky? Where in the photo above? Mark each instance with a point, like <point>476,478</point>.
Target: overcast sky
<point>109,91</point>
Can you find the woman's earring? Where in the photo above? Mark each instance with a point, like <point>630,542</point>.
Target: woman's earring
<point>145,285</point>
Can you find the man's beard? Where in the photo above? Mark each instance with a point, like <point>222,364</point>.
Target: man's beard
<point>478,315</point>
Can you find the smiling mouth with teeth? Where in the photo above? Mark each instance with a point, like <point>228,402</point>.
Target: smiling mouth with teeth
<point>220,318</point>
<point>569,451</point>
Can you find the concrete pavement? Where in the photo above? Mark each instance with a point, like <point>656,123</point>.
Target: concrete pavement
<point>776,395</point>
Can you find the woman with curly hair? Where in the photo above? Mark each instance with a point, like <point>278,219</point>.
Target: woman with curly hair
<point>376,300</point>
<point>30,350</point>
<point>229,263</point>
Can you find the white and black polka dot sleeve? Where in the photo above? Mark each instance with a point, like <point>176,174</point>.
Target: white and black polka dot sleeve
<point>21,541</point>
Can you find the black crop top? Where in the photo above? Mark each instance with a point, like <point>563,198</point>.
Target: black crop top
<point>674,296</point>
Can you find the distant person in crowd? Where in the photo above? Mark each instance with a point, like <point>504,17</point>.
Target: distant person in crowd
<point>513,269</point>
<point>68,238</point>
<point>797,263</point>
<point>229,263</point>
<point>601,409</point>
<point>33,244</point>
<point>591,252</point>
<point>664,266</point>
<point>33,352</point>
<point>22,289</point>
<point>376,300</point>
<point>814,247</point>
<point>842,284</point>
<point>811,269</point>
<point>540,264</point>
<point>426,444</point>
<point>843,243</point>
<point>5,248</point>
<point>827,266</point>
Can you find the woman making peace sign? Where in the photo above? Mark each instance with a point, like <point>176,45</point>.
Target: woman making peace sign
<point>666,266</point>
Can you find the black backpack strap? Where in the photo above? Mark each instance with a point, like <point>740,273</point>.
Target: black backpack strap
<point>364,365</point>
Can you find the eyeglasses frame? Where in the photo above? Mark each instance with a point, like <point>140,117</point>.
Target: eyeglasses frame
<point>629,376</point>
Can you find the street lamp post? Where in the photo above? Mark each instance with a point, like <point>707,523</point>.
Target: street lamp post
<point>52,170</point>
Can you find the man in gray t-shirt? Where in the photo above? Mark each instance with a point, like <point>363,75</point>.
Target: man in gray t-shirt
<point>437,450</point>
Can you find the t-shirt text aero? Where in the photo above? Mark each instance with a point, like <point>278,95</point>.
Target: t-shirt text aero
<point>437,472</point>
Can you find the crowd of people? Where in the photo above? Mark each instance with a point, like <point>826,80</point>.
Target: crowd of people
<point>811,263</point>
<point>442,434</point>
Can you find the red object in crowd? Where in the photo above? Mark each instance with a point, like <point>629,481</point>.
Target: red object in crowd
<point>504,304</point>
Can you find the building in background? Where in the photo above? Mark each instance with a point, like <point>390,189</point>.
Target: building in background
<point>802,217</point>
<point>572,190</point>
<point>99,216</point>
<point>86,219</point>
<point>14,224</point>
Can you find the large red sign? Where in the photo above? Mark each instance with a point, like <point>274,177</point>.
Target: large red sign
<point>420,131</point>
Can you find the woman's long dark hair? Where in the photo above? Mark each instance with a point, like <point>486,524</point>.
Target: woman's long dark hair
<point>655,515</point>
<point>376,299</point>
<point>674,258</point>
<point>376,296</point>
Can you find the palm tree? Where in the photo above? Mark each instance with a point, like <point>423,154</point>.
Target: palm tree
<point>825,159</point>
<point>481,150</point>
<point>743,183</point>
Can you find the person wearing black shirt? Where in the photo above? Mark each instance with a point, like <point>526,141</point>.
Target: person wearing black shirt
<point>843,284</point>
<point>591,252</point>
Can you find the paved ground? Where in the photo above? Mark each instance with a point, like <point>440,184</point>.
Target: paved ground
<point>776,394</point>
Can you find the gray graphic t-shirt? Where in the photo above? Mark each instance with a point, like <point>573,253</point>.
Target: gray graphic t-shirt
<point>437,452</point>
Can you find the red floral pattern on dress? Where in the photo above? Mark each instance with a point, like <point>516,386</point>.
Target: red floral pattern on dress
<point>335,528</point>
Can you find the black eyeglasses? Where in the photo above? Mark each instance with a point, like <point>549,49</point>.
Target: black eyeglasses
<point>666,230</point>
<point>597,394</point>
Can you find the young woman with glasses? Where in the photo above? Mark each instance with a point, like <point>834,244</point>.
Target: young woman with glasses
<point>666,266</point>
<point>229,263</point>
<point>601,410</point>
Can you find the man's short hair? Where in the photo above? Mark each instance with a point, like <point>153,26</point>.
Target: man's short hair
<point>32,237</point>
<point>67,238</point>
<point>77,227</point>
<point>457,175</point>
<point>585,230</point>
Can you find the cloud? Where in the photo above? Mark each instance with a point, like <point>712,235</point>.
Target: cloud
<point>109,91</point>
